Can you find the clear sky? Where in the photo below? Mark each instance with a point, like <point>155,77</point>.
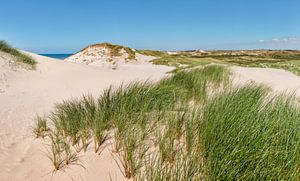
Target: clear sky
<point>55,26</point>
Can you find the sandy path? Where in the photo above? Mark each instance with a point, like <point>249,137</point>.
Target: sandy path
<point>27,93</point>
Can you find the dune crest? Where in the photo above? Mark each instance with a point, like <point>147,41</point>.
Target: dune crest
<point>108,55</point>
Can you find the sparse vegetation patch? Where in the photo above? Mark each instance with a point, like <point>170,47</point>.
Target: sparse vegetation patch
<point>20,57</point>
<point>281,59</point>
<point>115,50</point>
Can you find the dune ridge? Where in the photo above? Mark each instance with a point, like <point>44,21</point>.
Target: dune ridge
<point>109,56</point>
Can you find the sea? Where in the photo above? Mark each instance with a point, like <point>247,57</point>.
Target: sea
<point>57,56</point>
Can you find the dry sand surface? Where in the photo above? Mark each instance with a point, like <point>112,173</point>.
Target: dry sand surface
<point>25,93</point>
<point>281,81</point>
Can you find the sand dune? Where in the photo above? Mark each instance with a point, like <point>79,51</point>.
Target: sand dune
<point>25,93</point>
<point>281,81</point>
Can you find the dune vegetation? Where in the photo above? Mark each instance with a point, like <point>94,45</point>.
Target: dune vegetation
<point>280,59</point>
<point>115,50</point>
<point>153,53</point>
<point>19,56</point>
<point>192,125</point>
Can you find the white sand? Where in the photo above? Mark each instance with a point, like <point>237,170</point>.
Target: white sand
<point>281,81</point>
<point>25,93</point>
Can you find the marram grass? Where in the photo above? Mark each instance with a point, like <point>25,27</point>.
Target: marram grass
<point>19,56</point>
<point>247,136</point>
<point>192,125</point>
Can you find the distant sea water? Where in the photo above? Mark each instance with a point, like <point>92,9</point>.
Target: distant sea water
<point>57,56</point>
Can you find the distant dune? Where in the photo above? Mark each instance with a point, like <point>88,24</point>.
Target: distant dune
<point>109,56</point>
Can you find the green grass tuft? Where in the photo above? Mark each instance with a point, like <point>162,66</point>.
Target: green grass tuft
<point>40,128</point>
<point>246,136</point>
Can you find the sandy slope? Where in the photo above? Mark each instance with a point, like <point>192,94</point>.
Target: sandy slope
<point>24,93</point>
<point>280,81</point>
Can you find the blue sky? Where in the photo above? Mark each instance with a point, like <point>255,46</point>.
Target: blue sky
<point>55,26</point>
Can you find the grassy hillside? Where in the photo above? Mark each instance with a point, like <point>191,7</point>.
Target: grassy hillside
<point>192,125</point>
<point>281,59</point>
<point>153,53</point>
<point>20,57</point>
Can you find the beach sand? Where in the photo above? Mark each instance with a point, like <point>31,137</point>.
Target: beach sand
<point>25,93</point>
<point>280,81</point>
